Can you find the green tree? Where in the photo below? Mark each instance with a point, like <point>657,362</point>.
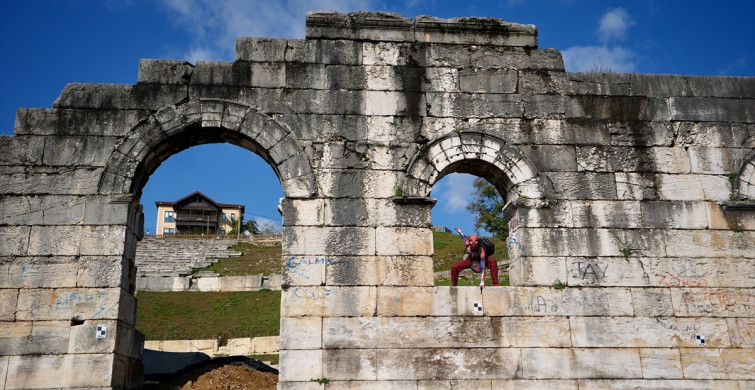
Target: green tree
<point>487,205</point>
<point>250,225</point>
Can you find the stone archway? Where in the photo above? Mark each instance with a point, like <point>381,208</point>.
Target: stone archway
<point>176,128</point>
<point>480,154</point>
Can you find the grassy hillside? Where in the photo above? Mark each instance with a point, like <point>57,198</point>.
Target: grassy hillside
<point>207,315</point>
<point>254,260</point>
<point>203,315</point>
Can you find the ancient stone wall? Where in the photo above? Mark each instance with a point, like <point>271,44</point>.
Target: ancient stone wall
<point>631,213</point>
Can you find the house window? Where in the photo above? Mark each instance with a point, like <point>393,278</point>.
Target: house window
<point>222,231</point>
<point>223,217</point>
<point>169,231</point>
<point>169,216</point>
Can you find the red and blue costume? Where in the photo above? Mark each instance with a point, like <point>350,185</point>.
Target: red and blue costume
<point>474,258</point>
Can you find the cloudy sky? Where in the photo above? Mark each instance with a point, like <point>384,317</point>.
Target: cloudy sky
<point>45,44</point>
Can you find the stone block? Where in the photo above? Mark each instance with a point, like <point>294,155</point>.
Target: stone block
<point>54,240</point>
<point>208,283</point>
<point>45,121</point>
<point>345,52</point>
<point>470,384</point>
<point>268,75</point>
<point>8,302</point>
<point>675,215</point>
<point>106,210</point>
<point>39,272</point>
<point>474,31</point>
<point>300,365</point>
<point>709,243</point>
<point>713,134</point>
<point>77,150</point>
<point>403,241</point>
<point>472,105</point>
<point>377,26</point>
<point>455,301</point>
<point>552,157</point>
<point>529,332</point>
<point>371,385</point>
<point>335,241</point>
<point>358,184</point>
<point>539,271</point>
<point>590,242</point>
<point>349,364</point>
<point>71,303</point>
<point>103,240</point>
<point>661,363</point>
<point>404,301</point>
<point>704,109</point>
<point>164,72</point>
<point>241,283</point>
<point>722,218</point>
<point>574,363</point>
<point>22,149</point>
<point>117,96</point>
<point>308,385</point>
<point>34,338</point>
<point>237,74</point>
<point>3,368</point>
<point>657,384</point>
<point>742,332</point>
<point>718,302</point>
<point>605,271</point>
<point>693,187</point>
<point>619,108</point>
<point>318,301</point>
<point>487,80</point>
<point>60,371</point>
<point>647,332</point>
<point>303,270</point>
<point>106,271</point>
<point>100,336</point>
<point>652,302</point>
<point>448,364</point>
<point>535,384</point>
<point>260,49</point>
<point>575,185</point>
<point>706,363</point>
<point>265,345</point>
<point>543,106</point>
<point>240,346</point>
<point>39,180</point>
<point>547,301</point>
<point>635,186</point>
<point>391,213</point>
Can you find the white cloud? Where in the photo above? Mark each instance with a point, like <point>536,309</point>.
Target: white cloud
<point>614,25</point>
<point>599,58</point>
<point>453,192</point>
<point>215,24</point>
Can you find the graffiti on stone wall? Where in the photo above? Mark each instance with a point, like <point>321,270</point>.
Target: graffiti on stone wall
<point>312,292</point>
<point>298,264</point>
<point>665,279</point>
<point>590,271</point>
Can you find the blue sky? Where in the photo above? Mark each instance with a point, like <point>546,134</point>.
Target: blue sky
<point>45,44</point>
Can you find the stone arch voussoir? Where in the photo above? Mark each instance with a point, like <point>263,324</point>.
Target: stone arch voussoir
<point>153,140</point>
<point>464,152</point>
<point>745,184</point>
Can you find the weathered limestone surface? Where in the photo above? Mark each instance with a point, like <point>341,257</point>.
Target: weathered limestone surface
<point>631,216</point>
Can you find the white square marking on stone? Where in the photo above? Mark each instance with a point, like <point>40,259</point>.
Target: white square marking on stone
<point>101,331</point>
<point>477,306</point>
<point>700,338</point>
